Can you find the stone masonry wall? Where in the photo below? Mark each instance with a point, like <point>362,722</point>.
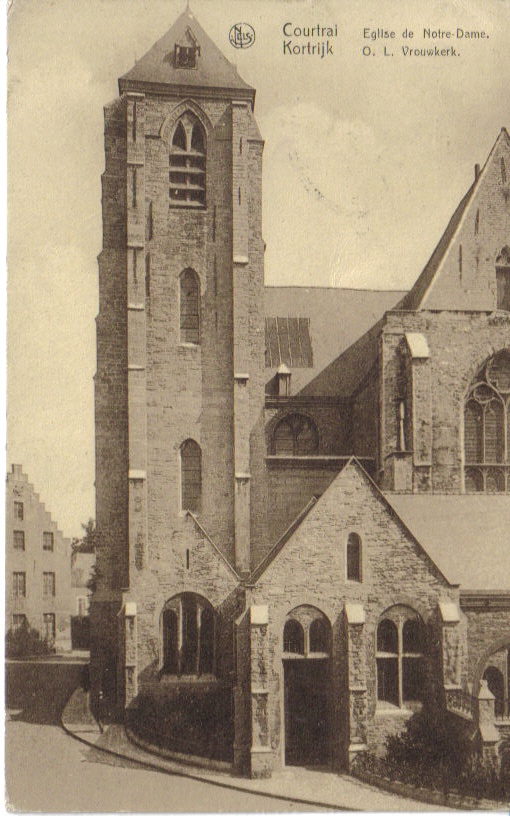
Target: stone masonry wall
<point>453,362</point>
<point>311,569</point>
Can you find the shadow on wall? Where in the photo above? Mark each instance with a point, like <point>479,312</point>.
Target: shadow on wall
<point>188,718</point>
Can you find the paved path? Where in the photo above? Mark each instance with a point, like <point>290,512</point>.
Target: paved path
<point>313,789</point>
<point>46,770</point>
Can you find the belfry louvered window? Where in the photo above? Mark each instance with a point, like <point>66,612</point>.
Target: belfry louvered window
<point>487,428</point>
<point>187,163</point>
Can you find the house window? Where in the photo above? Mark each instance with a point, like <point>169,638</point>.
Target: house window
<point>48,584</point>
<point>19,622</point>
<point>18,510</point>
<point>188,630</point>
<point>49,629</point>
<point>354,557</point>
<point>191,476</point>
<point>399,657</point>
<point>190,307</point>
<point>293,637</point>
<point>48,542</point>
<point>19,584</point>
<point>295,435</point>
<point>487,428</point>
<point>19,539</point>
<point>503,280</point>
<point>187,163</point>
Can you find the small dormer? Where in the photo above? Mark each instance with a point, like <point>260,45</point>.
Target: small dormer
<point>186,50</point>
<point>283,376</point>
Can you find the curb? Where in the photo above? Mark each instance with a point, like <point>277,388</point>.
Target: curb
<point>206,780</point>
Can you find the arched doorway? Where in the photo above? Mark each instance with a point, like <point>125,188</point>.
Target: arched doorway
<point>306,671</point>
<point>496,685</point>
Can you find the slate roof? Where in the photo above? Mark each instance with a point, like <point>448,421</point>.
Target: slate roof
<point>338,318</point>
<point>213,70</point>
<point>467,536</point>
<point>413,300</point>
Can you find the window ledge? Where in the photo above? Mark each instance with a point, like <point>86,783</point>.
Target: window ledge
<point>189,345</point>
<point>389,710</point>
<point>188,679</point>
<point>309,656</point>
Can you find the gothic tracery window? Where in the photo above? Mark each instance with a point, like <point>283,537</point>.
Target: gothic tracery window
<point>487,428</point>
<point>187,163</point>
<point>295,435</point>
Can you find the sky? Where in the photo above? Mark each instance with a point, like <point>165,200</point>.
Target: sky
<point>366,158</point>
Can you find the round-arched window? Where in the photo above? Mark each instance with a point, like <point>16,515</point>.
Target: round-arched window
<point>295,435</point>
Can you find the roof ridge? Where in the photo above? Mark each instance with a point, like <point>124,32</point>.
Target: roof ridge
<point>428,275</point>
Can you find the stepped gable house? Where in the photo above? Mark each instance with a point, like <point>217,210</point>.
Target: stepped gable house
<point>303,495</point>
<point>37,565</point>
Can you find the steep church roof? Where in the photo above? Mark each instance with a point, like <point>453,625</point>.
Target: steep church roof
<point>337,318</point>
<point>415,298</point>
<point>467,536</point>
<point>157,69</point>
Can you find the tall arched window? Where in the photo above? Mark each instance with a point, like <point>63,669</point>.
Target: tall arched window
<point>295,435</point>
<point>487,428</point>
<point>399,656</point>
<point>307,632</point>
<point>503,279</point>
<point>354,557</point>
<point>293,637</point>
<point>187,163</point>
<point>319,635</point>
<point>188,632</point>
<point>191,476</point>
<point>190,307</point>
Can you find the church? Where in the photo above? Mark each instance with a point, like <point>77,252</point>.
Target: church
<point>302,494</point>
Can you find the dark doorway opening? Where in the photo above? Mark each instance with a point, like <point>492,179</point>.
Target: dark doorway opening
<point>496,685</point>
<point>306,689</point>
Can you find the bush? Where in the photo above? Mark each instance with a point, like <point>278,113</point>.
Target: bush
<point>435,752</point>
<point>26,642</point>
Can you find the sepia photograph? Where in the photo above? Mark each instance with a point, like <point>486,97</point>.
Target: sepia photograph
<point>257,506</point>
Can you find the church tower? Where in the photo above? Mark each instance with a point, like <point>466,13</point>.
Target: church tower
<point>180,344</point>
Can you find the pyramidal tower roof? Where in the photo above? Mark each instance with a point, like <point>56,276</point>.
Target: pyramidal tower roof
<point>159,69</point>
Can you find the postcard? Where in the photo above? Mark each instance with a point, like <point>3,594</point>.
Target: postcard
<point>258,406</point>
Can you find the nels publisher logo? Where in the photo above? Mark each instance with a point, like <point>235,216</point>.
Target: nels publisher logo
<point>241,35</point>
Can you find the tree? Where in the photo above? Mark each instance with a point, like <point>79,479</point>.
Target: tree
<point>26,642</point>
<point>88,542</point>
